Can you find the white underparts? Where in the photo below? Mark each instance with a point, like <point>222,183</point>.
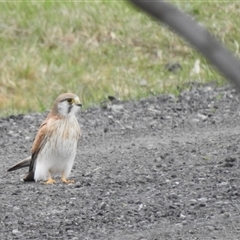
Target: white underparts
<point>58,154</point>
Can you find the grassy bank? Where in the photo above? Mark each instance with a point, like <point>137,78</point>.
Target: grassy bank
<point>100,48</point>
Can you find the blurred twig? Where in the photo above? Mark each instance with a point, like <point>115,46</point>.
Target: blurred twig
<point>196,35</point>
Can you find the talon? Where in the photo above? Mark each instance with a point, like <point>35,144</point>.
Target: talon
<point>67,181</point>
<point>50,181</point>
<point>64,180</point>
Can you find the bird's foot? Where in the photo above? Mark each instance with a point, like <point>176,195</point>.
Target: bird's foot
<point>64,180</point>
<point>50,181</point>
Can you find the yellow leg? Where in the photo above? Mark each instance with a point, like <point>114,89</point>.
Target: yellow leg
<point>64,180</point>
<point>50,180</point>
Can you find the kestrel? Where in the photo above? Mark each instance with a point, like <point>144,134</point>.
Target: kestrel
<point>55,146</point>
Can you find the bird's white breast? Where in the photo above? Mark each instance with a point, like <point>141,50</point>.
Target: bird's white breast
<point>59,151</point>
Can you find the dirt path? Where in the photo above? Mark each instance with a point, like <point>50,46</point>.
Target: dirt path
<point>159,168</point>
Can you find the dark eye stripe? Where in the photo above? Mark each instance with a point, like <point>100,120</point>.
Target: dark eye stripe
<point>70,108</point>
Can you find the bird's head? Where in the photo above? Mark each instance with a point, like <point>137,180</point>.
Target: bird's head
<point>67,104</point>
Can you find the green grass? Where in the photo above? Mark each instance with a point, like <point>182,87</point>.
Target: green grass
<point>99,48</point>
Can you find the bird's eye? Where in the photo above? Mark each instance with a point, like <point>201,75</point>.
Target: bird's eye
<point>70,100</point>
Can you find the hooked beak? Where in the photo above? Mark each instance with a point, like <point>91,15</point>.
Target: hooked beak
<point>77,102</point>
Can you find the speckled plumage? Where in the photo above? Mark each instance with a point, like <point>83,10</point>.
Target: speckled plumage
<point>55,145</point>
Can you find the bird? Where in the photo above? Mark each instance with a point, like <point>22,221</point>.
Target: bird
<point>55,145</point>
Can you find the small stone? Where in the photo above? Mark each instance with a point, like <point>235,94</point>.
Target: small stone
<point>15,231</point>
<point>117,108</point>
<point>203,199</point>
<point>193,202</point>
<point>226,215</point>
<point>202,204</point>
<point>103,205</point>
<point>202,116</point>
<point>182,216</point>
<point>110,120</point>
<point>210,228</point>
<point>223,184</point>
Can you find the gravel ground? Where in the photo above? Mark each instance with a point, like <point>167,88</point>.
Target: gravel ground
<point>158,168</point>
